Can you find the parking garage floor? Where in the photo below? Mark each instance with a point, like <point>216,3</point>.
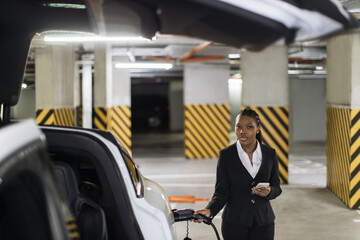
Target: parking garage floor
<point>305,210</point>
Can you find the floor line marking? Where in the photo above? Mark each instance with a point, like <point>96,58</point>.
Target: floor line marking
<point>190,185</point>
<point>195,175</point>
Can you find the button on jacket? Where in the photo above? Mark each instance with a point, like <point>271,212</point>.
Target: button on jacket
<point>233,188</point>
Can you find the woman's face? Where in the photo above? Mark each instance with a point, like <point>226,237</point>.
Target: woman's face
<point>246,130</point>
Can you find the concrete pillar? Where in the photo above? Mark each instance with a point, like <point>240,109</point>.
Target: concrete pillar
<point>207,110</point>
<point>343,114</point>
<point>55,95</point>
<point>266,90</point>
<point>176,101</point>
<point>87,96</point>
<point>112,96</point>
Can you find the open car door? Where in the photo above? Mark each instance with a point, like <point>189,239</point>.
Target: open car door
<point>249,24</point>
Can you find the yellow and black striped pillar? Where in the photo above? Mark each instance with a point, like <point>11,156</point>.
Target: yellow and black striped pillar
<point>45,117</point>
<point>117,120</point>
<point>207,130</point>
<point>342,150</point>
<point>56,117</point>
<point>120,125</point>
<point>275,133</point>
<point>101,118</point>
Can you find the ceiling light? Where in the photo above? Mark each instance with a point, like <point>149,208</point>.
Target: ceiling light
<point>235,81</point>
<point>319,72</point>
<point>354,10</point>
<point>234,55</point>
<point>144,65</point>
<point>319,67</point>
<point>293,72</point>
<point>65,5</point>
<point>91,38</point>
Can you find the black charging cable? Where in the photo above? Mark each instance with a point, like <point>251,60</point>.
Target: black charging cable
<point>188,214</point>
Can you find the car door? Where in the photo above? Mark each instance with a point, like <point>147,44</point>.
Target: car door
<point>252,25</point>
<point>248,24</point>
<point>134,208</point>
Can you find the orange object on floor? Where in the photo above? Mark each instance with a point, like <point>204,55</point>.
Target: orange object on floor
<point>187,198</point>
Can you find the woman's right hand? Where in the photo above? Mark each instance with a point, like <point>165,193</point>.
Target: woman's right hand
<point>205,212</point>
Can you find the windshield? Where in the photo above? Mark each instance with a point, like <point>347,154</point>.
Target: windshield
<point>134,173</point>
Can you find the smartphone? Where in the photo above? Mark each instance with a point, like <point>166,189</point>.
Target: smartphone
<point>263,184</point>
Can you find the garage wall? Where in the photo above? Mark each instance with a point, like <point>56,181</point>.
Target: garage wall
<point>308,109</point>
<point>26,105</point>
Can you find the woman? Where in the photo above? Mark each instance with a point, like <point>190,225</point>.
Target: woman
<point>241,166</point>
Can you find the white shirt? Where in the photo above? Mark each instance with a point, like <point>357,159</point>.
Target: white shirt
<point>245,160</point>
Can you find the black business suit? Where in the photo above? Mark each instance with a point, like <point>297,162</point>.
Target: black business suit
<point>233,188</point>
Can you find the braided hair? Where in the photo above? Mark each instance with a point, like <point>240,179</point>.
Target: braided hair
<point>251,113</point>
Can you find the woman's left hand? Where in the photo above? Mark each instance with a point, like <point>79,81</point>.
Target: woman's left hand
<point>261,191</point>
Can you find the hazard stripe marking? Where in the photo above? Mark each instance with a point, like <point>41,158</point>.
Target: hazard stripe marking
<point>45,117</point>
<point>275,133</point>
<point>100,118</point>
<point>120,125</point>
<point>355,159</point>
<point>338,152</point>
<point>57,117</point>
<point>207,130</point>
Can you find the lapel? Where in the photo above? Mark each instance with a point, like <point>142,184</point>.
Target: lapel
<point>237,158</point>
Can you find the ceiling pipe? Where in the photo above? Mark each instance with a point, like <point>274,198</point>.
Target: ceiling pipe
<point>197,49</point>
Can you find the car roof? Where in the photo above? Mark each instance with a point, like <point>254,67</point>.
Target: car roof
<point>252,25</point>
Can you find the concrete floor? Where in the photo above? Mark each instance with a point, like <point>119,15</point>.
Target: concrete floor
<point>305,210</point>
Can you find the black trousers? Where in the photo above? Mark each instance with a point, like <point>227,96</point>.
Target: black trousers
<point>231,231</point>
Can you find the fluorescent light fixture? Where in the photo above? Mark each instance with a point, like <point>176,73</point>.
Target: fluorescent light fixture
<point>65,5</point>
<point>354,10</point>
<point>293,72</point>
<point>234,81</point>
<point>24,85</point>
<point>234,55</point>
<point>145,65</point>
<point>319,72</point>
<point>319,67</point>
<point>90,38</point>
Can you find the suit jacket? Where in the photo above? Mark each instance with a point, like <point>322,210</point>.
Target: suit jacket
<point>233,188</point>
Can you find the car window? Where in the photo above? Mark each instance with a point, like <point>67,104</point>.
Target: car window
<point>135,176</point>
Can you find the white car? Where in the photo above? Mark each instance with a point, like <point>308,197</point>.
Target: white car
<point>107,195</point>
<point>134,207</point>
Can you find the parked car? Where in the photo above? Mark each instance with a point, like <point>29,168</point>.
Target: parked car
<point>149,112</point>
